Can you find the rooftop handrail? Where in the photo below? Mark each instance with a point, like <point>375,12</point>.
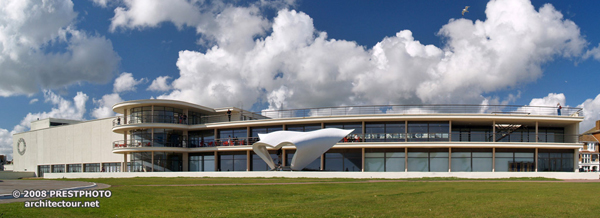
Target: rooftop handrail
<point>358,110</point>
<point>423,109</point>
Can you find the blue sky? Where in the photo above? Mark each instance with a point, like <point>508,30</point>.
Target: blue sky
<point>63,59</point>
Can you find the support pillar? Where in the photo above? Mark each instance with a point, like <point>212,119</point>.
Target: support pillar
<point>493,159</point>
<point>248,159</point>
<point>363,160</point>
<point>450,159</point>
<point>405,159</point>
<point>185,159</point>
<point>216,161</point>
<point>124,166</point>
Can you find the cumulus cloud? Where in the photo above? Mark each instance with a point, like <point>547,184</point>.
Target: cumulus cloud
<point>33,101</point>
<point>126,82</point>
<point>591,112</point>
<point>40,47</point>
<point>295,65</point>
<point>160,84</point>
<point>61,108</point>
<point>594,52</point>
<point>105,104</point>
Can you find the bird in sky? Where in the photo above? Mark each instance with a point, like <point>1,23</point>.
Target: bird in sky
<point>465,10</point>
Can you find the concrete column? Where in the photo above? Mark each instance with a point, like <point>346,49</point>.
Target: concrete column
<point>248,159</point>
<point>124,164</point>
<point>151,114</point>
<point>322,125</point>
<point>450,130</point>
<point>450,159</point>
<point>186,160</point>
<point>535,160</point>
<point>575,160</point>
<point>216,161</point>
<point>405,159</point>
<point>283,157</point>
<point>363,160</point>
<point>216,137</point>
<point>152,160</point>
<point>493,159</point>
<point>283,127</point>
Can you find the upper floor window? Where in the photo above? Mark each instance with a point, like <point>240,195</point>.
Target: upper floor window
<point>591,146</point>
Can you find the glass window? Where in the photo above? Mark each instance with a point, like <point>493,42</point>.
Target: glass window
<point>232,161</point>
<point>92,167</point>
<point>111,167</point>
<point>73,168</point>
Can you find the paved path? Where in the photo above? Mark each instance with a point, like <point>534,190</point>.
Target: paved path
<point>375,181</point>
<point>8,186</point>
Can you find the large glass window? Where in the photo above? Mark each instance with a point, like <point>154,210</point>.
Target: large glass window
<point>73,168</point>
<point>141,162</point>
<point>232,161</point>
<point>202,162</point>
<point>354,136</point>
<point>141,138</point>
<point>427,160</point>
<point>471,160</point>
<point>266,129</point>
<point>167,162</point>
<point>557,160</point>
<point>205,138</point>
<point>304,128</point>
<point>313,166</point>
<point>343,160</point>
<point>58,168</point>
<point>428,131</point>
<point>515,160</point>
<point>258,164</point>
<point>43,169</point>
<point>384,160</point>
<point>168,138</point>
<point>91,167</point>
<point>385,132</point>
<point>196,118</point>
<point>231,137</point>
<point>111,167</point>
<point>472,133</point>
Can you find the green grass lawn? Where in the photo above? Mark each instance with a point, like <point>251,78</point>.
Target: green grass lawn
<point>429,197</point>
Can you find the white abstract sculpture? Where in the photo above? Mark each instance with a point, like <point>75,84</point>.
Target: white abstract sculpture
<point>309,145</point>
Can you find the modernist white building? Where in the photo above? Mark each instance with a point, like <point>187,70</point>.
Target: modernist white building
<point>167,135</point>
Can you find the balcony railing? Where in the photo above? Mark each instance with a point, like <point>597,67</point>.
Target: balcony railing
<point>191,143</point>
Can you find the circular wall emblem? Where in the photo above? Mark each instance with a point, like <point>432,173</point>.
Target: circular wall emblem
<point>21,146</point>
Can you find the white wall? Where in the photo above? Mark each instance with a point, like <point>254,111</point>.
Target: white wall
<point>85,142</point>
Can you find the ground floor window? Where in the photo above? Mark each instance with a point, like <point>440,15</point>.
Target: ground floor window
<point>427,160</point>
<point>140,162</point>
<point>232,161</point>
<point>92,167</point>
<point>111,167</point>
<point>43,169</point>
<point>59,168</point>
<point>258,164</point>
<point>313,166</point>
<point>73,168</point>
<point>343,160</point>
<point>556,160</point>
<point>384,160</point>
<point>471,160</point>
<point>515,160</point>
<point>167,162</point>
<point>202,162</point>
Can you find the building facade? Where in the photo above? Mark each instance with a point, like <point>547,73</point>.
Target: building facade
<point>589,153</point>
<point>170,136</point>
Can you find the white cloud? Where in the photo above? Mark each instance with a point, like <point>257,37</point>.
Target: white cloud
<point>150,13</point>
<point>6,143</point>
<point>477,58</point>
<point>101,3</point>
<point>594,52</point>
<point>126,82</point>
<point>591,112</point>
<point>62,108</point>
<point>105,104</point>
<point>160,84</point>
<point>32,101</point>
<point>31,33</point>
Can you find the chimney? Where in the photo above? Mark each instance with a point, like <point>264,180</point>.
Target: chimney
<point>597,124</point>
